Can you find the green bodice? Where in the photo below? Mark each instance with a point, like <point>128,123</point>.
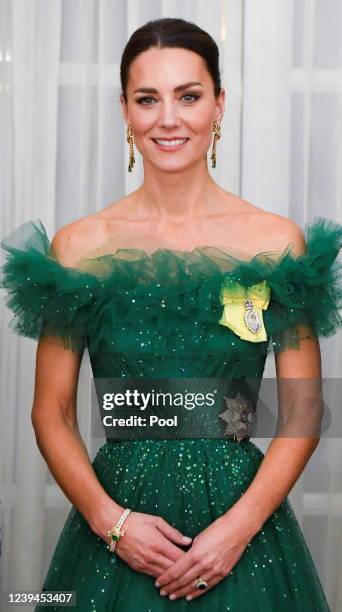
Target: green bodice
<point>160,314</point>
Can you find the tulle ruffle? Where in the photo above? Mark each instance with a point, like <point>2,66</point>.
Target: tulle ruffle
<point>129,287</point>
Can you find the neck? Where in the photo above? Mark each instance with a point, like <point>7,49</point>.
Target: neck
<point>177,197</point>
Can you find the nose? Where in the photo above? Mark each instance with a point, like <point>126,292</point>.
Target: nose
<point>168,115</point>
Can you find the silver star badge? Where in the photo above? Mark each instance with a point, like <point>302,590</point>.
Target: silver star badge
<point>238,416</point>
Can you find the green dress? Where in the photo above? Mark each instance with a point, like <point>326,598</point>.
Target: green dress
<point>161,315</point>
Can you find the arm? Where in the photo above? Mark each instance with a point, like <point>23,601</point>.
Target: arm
<point>54,412</point>
<point>286,456</point>
<point>58,438</point>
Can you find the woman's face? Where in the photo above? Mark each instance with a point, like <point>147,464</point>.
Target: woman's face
<point>160,107</point>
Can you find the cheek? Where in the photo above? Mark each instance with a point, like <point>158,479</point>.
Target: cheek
<point>202,128</point>
<point>143,122</point>
<point>201,118</point>
<point>202,133</point>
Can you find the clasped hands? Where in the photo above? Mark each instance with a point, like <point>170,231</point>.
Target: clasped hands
<point>212,555</point>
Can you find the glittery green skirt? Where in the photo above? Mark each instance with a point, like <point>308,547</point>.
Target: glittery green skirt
<point>190,483</point>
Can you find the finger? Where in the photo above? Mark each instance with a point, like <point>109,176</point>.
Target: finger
<point>198,592</point>
<point>175,574</point>
<point>171,532</point>
<point>210,580</point>
<point>191,588</point>
<point>189,585</point>
<point>189,579</point>
<point>168,549</point>
<point>159,565</point>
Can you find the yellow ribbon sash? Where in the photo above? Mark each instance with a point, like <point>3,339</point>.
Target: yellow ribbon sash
<point>243,308</point>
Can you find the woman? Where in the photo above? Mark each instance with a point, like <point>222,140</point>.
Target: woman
<point>146,284</point>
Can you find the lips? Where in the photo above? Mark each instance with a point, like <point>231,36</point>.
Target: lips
<point>174,138</point>
<point>170,143</point>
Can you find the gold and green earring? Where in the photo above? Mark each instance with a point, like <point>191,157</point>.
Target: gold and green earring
<point>217,136</point>
<point>129,138</point>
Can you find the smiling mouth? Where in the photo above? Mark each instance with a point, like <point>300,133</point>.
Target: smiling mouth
<point>170,144</point>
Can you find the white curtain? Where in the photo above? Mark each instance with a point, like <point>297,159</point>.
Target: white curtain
<point>64,155</point>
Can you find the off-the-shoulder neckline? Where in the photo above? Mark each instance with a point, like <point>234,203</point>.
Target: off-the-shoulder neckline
<point>198,250</point>
<point>270,258</point>
<point>35,236</point>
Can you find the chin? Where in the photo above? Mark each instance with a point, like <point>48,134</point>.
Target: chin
<point>173,169</point>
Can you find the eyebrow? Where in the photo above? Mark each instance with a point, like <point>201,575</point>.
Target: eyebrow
<point>178,88</point>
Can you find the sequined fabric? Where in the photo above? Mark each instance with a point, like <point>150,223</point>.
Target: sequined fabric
<point>158,315</point>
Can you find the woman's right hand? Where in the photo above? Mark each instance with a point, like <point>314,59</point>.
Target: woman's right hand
<point>149,544</point>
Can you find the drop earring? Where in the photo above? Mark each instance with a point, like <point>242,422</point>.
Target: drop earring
<point>217,136</point>
<point>129,138</point>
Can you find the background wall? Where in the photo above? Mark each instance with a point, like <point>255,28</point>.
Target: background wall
<point>64,155</point>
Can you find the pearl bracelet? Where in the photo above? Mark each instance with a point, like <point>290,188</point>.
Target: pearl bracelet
<point>116,532</point>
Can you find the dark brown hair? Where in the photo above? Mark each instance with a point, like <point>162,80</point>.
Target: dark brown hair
<point>169,32</point>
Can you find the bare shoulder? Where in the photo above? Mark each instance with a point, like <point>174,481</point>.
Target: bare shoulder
<point>269,231</point>
<point>72,241</point>
<point>83,236</point>
<point>282,232</point>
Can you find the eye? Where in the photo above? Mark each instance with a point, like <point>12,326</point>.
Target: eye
<point>141,100</point>
<point>144,98</point>
<point>194,96</point>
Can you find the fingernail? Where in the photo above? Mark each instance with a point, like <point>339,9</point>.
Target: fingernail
<point>157,584</point>
<point>186,539</point>
<point>162,593</point>
<point>188,597</point>
<point>173,596</point>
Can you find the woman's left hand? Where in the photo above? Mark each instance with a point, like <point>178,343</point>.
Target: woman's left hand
<point>212,555</point>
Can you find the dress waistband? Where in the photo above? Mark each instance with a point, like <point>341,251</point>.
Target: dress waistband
<point>169,408</point>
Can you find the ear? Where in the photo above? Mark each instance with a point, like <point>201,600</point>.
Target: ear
<point>220,105</point>
<point>124,109</point>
